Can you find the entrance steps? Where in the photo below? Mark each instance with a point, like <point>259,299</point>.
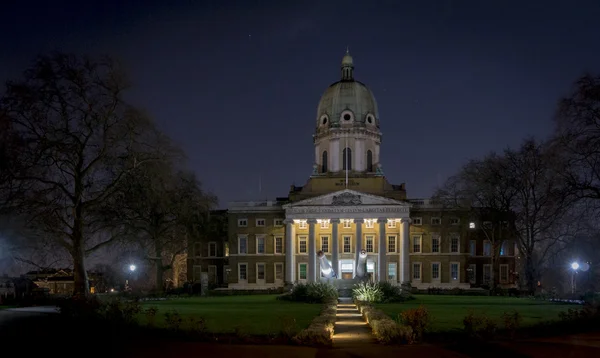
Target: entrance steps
<point>351,329</point>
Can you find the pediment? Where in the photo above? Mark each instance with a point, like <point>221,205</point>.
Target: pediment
<point>347,197</point>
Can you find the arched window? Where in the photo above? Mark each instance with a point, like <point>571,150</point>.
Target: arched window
<point>324,162</point>
<point>347,157</point>
<point>369,161</point>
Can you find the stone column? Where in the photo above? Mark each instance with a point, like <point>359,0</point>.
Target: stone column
<point>312,251</point>
<point>404,257</point>
<point>381,262</point>
<point>289,252</point>
<point>358,238</point>
<point>335,261</point>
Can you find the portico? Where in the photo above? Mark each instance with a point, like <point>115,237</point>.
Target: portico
<point>342,224</point>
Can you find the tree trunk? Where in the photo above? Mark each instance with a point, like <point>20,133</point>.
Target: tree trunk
<point>160,269</point>
<point>80,279</point>
<point>530,274</point>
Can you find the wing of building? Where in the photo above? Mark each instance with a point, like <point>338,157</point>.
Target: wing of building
<point>348,215</point>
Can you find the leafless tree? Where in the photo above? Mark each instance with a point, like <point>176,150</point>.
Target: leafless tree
<point>161,207</point>
<point>79,139</point>
<point>578,137</point>
<point>482,190</point>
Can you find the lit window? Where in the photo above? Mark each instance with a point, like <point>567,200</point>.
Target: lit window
<point>324,224</point>
<point>392,276</point>
<point>471,225</point>
<point>302,224</point>
<point>392,223</point>
<point>347,224</point>
<point>369,223</point>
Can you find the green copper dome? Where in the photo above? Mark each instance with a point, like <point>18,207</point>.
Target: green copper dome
<point>347,101</point>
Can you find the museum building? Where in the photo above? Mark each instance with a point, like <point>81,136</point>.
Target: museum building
<point>348,210</point>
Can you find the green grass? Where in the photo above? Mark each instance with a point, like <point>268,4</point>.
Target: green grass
<point>256,314</point>
<point>447,312</point>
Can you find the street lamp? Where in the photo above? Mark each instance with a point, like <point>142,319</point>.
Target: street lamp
<point>132,268</point>
<point>574,267</point>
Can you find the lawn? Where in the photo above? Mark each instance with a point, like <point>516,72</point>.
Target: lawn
<point>447,312</point>
<point>256,314</point>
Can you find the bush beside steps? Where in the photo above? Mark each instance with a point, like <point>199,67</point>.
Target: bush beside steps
<point>321,329</point>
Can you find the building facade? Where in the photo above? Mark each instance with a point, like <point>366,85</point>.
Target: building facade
<point>348,214</point>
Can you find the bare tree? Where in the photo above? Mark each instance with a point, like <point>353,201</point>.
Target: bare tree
<point>161,207</point>
<point>79,140</point>
<point>578,136</point>
<point>483,191</point>
<point>541,205</point>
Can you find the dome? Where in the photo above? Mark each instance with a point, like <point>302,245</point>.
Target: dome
<point>347,101</point>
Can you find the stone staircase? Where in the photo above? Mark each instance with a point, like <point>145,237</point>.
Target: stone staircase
<point>344,287</point>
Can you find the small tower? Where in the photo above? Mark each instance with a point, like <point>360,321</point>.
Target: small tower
<point>347,67</point>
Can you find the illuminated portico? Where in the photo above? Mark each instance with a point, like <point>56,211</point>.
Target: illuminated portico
<point>364,219</point>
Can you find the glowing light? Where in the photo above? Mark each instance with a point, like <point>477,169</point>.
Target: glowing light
<point>471,225</point>
<point>132,267</point>
<point>575,265</point>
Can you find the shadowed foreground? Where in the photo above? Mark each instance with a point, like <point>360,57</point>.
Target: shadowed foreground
<point>48,331</point>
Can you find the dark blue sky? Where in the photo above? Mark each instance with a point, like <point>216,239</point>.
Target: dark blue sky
<point>236,84</point>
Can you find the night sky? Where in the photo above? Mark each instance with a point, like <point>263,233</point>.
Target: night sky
<point>237,84</point>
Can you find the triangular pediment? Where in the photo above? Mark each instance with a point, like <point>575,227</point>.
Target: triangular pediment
<point>347,197</point>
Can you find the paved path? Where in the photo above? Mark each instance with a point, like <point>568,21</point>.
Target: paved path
<point>351,329</point>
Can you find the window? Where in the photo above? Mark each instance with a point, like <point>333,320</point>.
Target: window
<point>454,275</point>
<point>392,223</point>
<point>279,245</point>
<point>212,274</point>
<point>324,162</point>
<point>302,224</point>
<point>369,159</point>
<point>260,244</point>
<point>278,271</point>
<point>416,244</point>
<point>391,243</point>
<point>503,251</point>
<point>436,221</point>
<point>324,224</point>
<point>242,222</point>
<point>278,222</point>
<point>243,272</point>
<point>487,274</point>
<point>392,275</point>
<point>454,243</point>
<point>302,244</point>
<point>417,271</point>
<point>473,247</point>
<point>302,274</point>
<point>197,249</point>
<point>347,158</point>
<point>226,249</point>
<point>369,243</point>
<point>503,273</point>
<point>472,272</point>
<point>435,271</point>
<point>197,271</point>
<point>347,244</point>
<point>417,221</point>
<point>435,243</point>
<point>260,222</point>
<point>325,243</point>
<point>369,223</point>
<point>347,224</point>
<point>212,249</point>
<point>242,245</point>
<point>260,272</point>
<point>471,225</point>
<point>487,248</point>
<point>454,221</point>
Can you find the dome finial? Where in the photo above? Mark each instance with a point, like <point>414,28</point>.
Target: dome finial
<point>347,66</point>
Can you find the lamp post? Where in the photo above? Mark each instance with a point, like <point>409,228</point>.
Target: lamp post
<point>574,267</point>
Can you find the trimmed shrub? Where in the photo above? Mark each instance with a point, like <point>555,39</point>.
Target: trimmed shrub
<point>393,293</point>
<point>417,319</point>
<point>312,292</point>
<point>385,330</point>
<point>320,331</point>
<point>479,326</point>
